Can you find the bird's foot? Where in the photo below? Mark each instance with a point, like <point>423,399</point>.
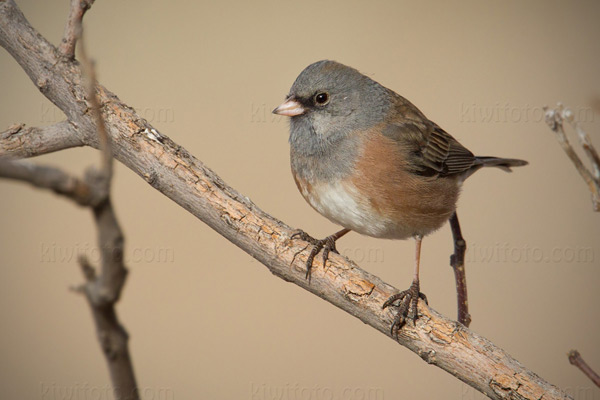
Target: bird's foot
<point>406,304</point>
<point>327,245</point>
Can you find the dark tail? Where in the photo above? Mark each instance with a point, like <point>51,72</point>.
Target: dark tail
<point>504,163</point>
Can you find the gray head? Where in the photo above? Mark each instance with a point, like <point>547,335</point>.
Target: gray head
<point>327,102</point>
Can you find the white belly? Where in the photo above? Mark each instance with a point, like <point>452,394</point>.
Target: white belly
<point>341,203</point>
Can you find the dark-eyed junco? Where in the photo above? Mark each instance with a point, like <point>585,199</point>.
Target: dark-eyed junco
<point>368,160</point>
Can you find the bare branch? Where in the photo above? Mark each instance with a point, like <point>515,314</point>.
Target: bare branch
<point>70,36</point>
<point>173,171</point>
<point>576,359</point>
<point>457,262</point>
<point>586,143</point>
<point>48,178</point>
<point>555,119</point>
<point>110,239</point>
<point>19,141</point>
<point>102,291</point>
<point>41,62</point>
<point>90,84</point>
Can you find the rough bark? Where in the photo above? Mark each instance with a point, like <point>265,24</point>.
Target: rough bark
<point>20,141</point>
<point>174,172</point>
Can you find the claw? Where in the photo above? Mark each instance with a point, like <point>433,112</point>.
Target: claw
<point>407,307</point>
<point>300,234</point>
<point>327,245</point>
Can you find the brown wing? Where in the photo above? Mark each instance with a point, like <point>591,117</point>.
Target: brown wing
<point>430,150</point>
<point>443,154</point>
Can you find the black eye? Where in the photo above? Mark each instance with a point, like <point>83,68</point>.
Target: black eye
<point>322,98</point>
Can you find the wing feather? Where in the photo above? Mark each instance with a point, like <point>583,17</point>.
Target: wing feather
<point>431,150</point>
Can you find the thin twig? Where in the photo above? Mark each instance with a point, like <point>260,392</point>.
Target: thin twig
<point>576,359</point>
<point>457,262</point>
<point>70,36</point>
<point>49,178</point>
<point>104,290</point>
<point>555,119</point>
<point>91,84</point>
<point>586,143</point>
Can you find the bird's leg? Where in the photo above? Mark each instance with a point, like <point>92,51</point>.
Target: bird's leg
<point>457,262</point>
<point>407,300</point>
<point>327,245</point>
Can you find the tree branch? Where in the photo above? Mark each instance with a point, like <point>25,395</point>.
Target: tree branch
<point>173,171</point>
<point>102,291</point>
<point>70,37</point>
<point>457,262</point>
<point>19,141</point>
<point>555,119</point>
<point>576,360</point>
<point>48,178</point>
<point>90,86</point>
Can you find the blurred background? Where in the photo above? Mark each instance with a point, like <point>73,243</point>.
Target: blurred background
<point>205,319</point>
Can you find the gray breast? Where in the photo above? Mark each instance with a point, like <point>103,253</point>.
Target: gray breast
<point>329,161</point>
<point>322,155</point>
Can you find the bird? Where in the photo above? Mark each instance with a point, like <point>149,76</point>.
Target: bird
<point>370,161</point>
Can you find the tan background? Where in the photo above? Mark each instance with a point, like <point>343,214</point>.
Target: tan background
<point>206,321</point>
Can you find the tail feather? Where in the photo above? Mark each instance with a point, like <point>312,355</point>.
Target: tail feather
<point>504,163</point>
